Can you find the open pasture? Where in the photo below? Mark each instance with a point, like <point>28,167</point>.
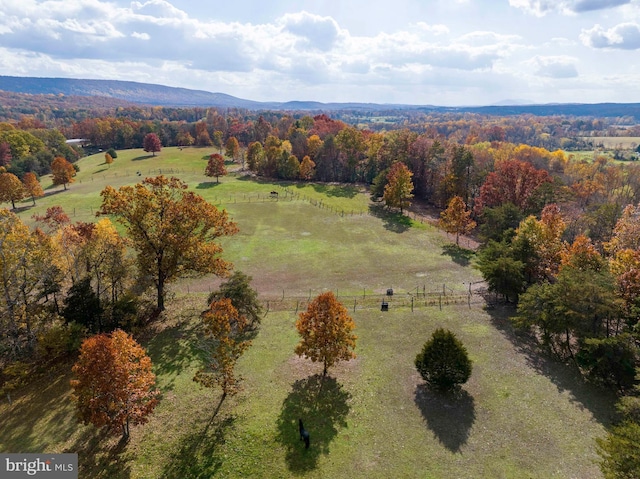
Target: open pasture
<point>519,416</point>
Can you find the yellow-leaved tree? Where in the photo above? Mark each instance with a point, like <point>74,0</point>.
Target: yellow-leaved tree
<point>456,218</point>
<point>326,332</point>
<point>172,230</point>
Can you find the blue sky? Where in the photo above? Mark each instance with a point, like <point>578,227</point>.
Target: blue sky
<point>440,52</point>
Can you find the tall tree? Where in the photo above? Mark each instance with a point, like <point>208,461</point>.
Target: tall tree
<point>307,168</point>
<point>32,186</point>
<point>11,189</point>
<point>215,166</point>
<point>172,229</point>
<point>62,171</point>
<point>456,218</point>
<point>232,148</point>
<point>326,331</point>
<point>223,327</point>
<point>114,385</point>
<point>151,143</point>
<point>398,191</point>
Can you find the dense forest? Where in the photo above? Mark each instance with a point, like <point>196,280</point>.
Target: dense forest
<point>559,228</point>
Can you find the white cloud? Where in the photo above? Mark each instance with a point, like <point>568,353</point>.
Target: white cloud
<point>542,7</point>
<point>141,36</point>
<point>625,36</point>
<point>320,32</point>
<point>553,66</point>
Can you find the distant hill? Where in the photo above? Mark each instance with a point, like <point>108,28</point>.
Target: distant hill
<point>150,94</point>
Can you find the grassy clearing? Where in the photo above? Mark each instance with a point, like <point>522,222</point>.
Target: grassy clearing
<point>519,416</point>
<point>611,142</point>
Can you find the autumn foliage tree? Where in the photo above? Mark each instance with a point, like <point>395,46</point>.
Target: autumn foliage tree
<point>398,191</point>
<point>114,385</point>
<point>224,327</point>
<point>62,171</point>
<point>173,230</point>
<point>11,189</point>
<point>108,159</point>
<point>32,186</point>
<point>151,143</point>
<point>456,218</point>
<point>513,181</point>
<point>215,166</point>
<point>232,148</point>
<point>326,331</point>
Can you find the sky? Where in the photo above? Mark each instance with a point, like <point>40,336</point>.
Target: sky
<point>422,52</point>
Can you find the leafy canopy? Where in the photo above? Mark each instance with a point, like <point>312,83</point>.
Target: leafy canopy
<point>444,362</point>
<point>326,332</point>
<point>173,230</point>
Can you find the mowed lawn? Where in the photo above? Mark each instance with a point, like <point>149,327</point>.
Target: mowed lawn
<point>519,416</point>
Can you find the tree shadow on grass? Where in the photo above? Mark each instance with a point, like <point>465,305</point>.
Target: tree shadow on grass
<point>206,185</point>
<point>566,377</point>
<point>169,354</point>
<point>323,406</point>
<point>392,220</point>
<point>461,256</point>
<point>143,157</point>
<point>199,455</point>
<point>336,191</point>
<point>449,415</point>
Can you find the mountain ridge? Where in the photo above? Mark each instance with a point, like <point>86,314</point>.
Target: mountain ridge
<point>161,95</point>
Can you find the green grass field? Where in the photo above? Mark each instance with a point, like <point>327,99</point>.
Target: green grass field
<point>519,416</point>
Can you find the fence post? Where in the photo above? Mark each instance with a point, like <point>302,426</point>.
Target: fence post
<point>440,301</point>
<point>355,302</point>
<point>412,304</point>
<point>444,290</point>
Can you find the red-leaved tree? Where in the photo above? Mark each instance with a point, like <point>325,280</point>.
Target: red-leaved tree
<point>513,181</point>
<point>151,143</point>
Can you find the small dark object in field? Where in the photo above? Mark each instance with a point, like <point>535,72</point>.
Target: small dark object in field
<point>390,292</point>
<point>274,194</point>
<point>384,306</point>
<point>304,435</point>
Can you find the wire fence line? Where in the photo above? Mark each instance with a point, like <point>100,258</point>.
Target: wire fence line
<point>417,298</point>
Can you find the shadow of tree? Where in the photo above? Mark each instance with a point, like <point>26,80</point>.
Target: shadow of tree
<point>336,191</point>
<point>566,377</point>
<point>199,455</point>
<point>450,416</point>
<point>205,185</point>
<point>461,256</point>
<point>323,406</point>
<point>392,221</point>
<point>170,355</point>
<point>143,157</point>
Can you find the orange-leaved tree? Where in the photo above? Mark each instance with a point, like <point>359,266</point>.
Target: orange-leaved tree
<point>173,230</point>
<point>32,186</point>
<point>232,148</point>
<point>456,218</point>
<point>224,327</point>
<point>398,191</point>
<point>11,188</point>
<point>114,385</point>
<point>62,172</point>
<point>215,166</point>
<point>326,332</point>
